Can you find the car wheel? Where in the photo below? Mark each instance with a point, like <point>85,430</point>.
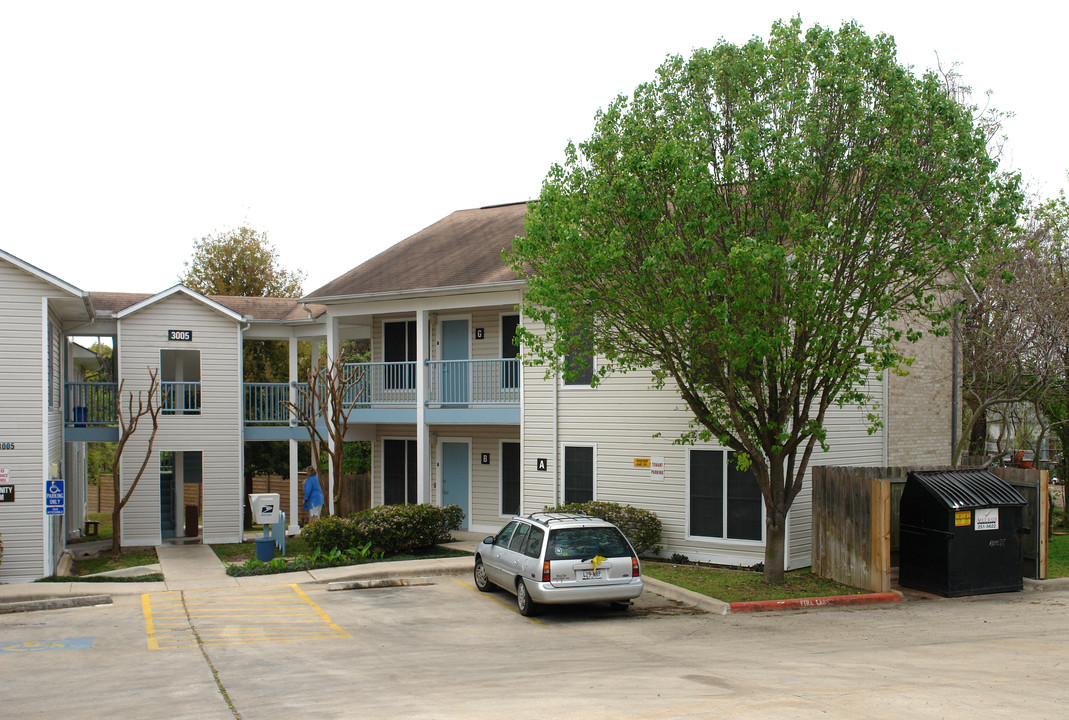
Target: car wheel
<point>526,605</point>
<point>481,581</point>
<point>620,606</point>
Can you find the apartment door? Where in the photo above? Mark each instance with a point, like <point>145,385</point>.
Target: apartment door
<point>455,343</point>
<point>456,468</point>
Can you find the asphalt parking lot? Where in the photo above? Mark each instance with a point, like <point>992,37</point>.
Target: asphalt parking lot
<point>444,650</point>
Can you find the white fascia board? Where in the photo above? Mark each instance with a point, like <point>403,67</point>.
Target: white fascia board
<point>185,291</point>
<point>41,274</point>
<point>426,292</point>
<point>457,301</point>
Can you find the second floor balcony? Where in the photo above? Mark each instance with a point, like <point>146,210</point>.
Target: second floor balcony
<point>456,391</point>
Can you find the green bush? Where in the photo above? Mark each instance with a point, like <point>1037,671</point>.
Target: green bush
<point>389,529</point>
<point>642,527</point>
<point>329,533</point>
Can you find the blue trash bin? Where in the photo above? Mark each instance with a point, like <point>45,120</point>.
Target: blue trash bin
<point>265,549</point>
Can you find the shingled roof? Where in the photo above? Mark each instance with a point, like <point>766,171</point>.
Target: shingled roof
<point>460,250</point>
<point>252,308</point>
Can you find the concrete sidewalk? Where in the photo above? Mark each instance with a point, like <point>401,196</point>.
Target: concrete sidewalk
<point>196,567</point>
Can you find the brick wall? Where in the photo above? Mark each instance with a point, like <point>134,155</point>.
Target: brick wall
<point>920,405</point>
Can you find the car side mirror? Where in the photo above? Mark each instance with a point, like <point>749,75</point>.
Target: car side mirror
<point>489,540</point>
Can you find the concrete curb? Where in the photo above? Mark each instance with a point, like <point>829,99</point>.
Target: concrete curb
<point>395,570</point>
<point>1061,582</point>
<point>687,597</point>
<point>816,602</point>
<point>54,603</point>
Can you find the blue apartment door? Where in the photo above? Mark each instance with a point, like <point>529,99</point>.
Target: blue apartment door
<point>455,476</point>
<point>455,374</point>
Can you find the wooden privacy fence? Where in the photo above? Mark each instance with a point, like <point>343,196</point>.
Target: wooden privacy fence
<point>856,512</point>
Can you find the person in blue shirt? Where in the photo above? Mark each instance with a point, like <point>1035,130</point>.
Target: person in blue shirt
<point>313,495</point>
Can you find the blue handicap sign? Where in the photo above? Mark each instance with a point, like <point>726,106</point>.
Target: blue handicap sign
<point>54,497</point>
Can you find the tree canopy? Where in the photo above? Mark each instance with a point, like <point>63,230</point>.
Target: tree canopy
<point>239,262</point>
<point>761,225</point>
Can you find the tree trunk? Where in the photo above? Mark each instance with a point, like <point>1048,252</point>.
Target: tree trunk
<point>775,549</point>
<point>116,521</point>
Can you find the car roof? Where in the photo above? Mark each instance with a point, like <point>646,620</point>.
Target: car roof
<point>549,518</point>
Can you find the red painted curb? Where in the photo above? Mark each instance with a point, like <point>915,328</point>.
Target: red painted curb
<point>804,603</point>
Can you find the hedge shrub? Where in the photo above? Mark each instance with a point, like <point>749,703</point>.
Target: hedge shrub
<point>390,529</point>
<point>642,527</point>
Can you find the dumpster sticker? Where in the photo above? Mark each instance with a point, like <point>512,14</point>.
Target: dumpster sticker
<point>963,518</point>
<point>986,519</point>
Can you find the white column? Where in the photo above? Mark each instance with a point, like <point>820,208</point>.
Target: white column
<point>423,444</point>
<point>332,353</point>
<point>294,469</point>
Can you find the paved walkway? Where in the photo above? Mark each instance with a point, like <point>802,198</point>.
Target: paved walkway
<point>192,567</point>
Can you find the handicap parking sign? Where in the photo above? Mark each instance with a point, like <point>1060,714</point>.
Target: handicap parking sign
<point>54,497</point>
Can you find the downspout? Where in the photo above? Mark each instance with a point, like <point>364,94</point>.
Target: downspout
<point>556,444</point>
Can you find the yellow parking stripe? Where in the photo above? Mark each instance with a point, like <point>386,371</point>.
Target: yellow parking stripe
<point>235,617</point>
<point>488,596</point>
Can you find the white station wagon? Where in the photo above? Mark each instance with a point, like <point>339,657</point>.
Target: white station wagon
<point>553,558</point>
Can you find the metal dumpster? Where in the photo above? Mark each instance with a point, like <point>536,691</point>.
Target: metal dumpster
<point>960,533</point>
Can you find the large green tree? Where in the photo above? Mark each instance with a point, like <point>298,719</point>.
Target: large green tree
<point>239,262</point>
<point>760,225</point>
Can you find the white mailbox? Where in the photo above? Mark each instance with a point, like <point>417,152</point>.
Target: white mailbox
<point>265,508</point>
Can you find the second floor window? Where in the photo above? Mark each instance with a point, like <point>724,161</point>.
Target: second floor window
<point>180,382</point>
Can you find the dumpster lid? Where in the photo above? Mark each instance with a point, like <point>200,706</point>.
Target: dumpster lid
<point>959,489</point>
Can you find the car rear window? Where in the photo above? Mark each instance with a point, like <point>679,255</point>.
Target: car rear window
<point>586,542</point>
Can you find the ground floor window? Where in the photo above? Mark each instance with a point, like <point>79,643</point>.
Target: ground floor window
<point>725,502</point>
<point>398,472</point>
<point>510,478</point>
<point>578,473</point>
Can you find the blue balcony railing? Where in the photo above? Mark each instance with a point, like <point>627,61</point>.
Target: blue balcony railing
<point>180,398</point>
<point>474,382</point>
<point>90,404</point>
<point>381,383</point>
<point>453,383</point>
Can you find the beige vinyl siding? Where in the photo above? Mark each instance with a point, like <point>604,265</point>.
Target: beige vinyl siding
<point>55,436</point>
<point>216,432</point>
<point>487,318</point>
<point>22,418</point>
<point>537,487</point>
<point>621,417</point>
<point>484,511</point>
<point>393,432</point>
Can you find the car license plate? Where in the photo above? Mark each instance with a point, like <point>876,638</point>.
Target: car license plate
<point>593,574</point>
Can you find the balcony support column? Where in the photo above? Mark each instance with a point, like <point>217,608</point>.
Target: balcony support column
<point>331,354</point>
<point>294,469</point>
<point>423,438</point>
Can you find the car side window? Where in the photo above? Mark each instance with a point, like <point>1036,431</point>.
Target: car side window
<point>503,537</point>
<point>519,537</point>
<point>534,544</point>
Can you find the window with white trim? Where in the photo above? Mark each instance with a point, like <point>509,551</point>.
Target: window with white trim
<point>578,473</point>
<point>579,366</point>
<point>725,502</point>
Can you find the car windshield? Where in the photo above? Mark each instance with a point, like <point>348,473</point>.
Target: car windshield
<point>584,543</point>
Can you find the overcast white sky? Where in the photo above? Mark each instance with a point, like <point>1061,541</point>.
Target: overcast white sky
<point>128,130</point>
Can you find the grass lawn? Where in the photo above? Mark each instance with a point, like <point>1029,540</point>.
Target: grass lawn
<point>743,585</point>
<point>104,563</point>
<point>1058,557</point>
